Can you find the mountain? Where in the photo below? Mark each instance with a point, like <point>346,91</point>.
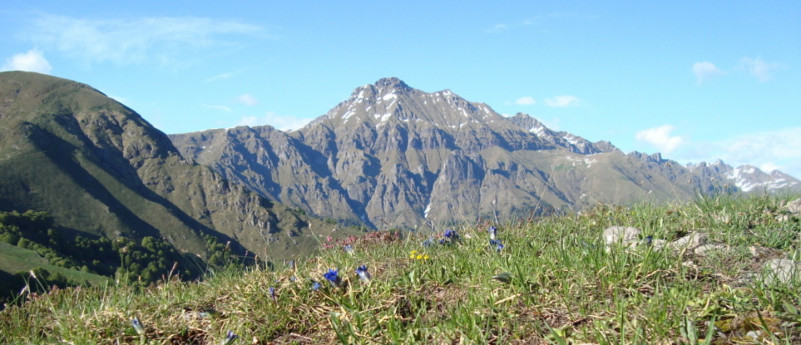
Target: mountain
<point>394,156</point>
<point>101,171</point>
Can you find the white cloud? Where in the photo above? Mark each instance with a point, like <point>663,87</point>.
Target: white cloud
<point>217,107</point>
<point>160,40</point>
<point>562,101</point>
<point>32,61</point>
<point>758,68</point>
<point>778,149</point>
<point>247,99</point>
<point>660,138</point>
<point>705,70</point>
<point>283,123</point>
<point>525,101</point>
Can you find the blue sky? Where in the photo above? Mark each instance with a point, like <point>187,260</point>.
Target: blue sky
<point>695,80</point>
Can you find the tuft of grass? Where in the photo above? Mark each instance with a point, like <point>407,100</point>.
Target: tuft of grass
<point>555,283</point>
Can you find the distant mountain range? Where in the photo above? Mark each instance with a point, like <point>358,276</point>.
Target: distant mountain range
<point>395,156</point>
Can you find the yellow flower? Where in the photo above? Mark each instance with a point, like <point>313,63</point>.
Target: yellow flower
<point>419,256</point>
<point>412,254</point>
<point>425,257</point>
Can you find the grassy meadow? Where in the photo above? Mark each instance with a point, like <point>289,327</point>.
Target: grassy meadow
<point>542,281</point>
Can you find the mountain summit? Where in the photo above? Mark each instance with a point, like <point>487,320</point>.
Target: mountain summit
<point>394,156</point>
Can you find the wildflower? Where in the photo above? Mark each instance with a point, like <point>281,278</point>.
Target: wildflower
<point>494,242</point>
<point>493,232</point>
<point>499,247</point>
<point>451,234</point>
<point>271,291</point>
<point>229,339</point>
<point>427,243</point>
<point>333,277</point>
<point>348,249</point>
<point>315,285</point>
<point>412,254</point>
<point>137,326</point>
<point>361,271</point>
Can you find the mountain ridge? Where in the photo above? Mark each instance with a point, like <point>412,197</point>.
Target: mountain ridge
<point>394,156</point>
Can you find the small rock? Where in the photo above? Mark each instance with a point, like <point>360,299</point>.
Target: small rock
<point>794,206</point>
<point>689,242</point>
<point>754,334</point>
<point>659,243</point>
<point>705,249</point>
<point>758,252</point>
<point>783,270</point>
<point>619,235</point>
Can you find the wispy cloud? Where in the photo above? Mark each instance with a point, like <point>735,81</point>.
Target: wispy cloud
<point>758,68</point>
<point>562,101</point>
<point>220,76</point>
<point>160,40</point>
<point>525,101</point>
<point>704,71</point>
<point>498,28</point>
<point>281,122</point>
<point>247,99</point>
<point>217,107</point>
<point>32,61</point>
<point>660,138</point>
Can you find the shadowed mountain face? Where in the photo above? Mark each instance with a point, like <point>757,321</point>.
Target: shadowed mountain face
<point>96,166</point>
<point>394,156</point>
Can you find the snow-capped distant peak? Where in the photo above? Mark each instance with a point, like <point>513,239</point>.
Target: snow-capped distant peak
<point>750,178</point>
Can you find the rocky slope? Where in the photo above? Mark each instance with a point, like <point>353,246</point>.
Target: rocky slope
<point>395,156</point>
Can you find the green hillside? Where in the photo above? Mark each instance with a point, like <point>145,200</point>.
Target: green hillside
<point>108,180</point>
<point>554,280</point>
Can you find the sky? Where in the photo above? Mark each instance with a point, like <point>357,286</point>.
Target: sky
<point>693,80</point>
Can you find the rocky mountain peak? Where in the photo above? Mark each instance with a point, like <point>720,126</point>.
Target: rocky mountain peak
<point>391,84</point>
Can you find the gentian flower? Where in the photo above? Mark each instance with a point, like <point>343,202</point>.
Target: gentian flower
<point>499,247</point>
<point>493,231</point>
<point>333,277</point>
<point>137,326</point>
<point>451,234</point>
<point>230,338</point>
<point>494,242</point>
<point>271,291</point>
<point>361,271</point>
<point>315,285</point>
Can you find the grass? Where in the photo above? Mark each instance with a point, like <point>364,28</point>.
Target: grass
<point>563,287</point>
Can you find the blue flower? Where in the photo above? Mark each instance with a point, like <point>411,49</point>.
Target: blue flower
<point>451,234</point>
<point>361,271</point>
<point>333,277</point>
<point>494,242</point>
<point>315,285</point>
<point>271,291</point>
<point>493,231</point>
<point>137,326</point>
<point>442,241</point>
<point>230,338</point>
<point>499,248</point>
<point>348,249</point>
<point>427,243</point>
